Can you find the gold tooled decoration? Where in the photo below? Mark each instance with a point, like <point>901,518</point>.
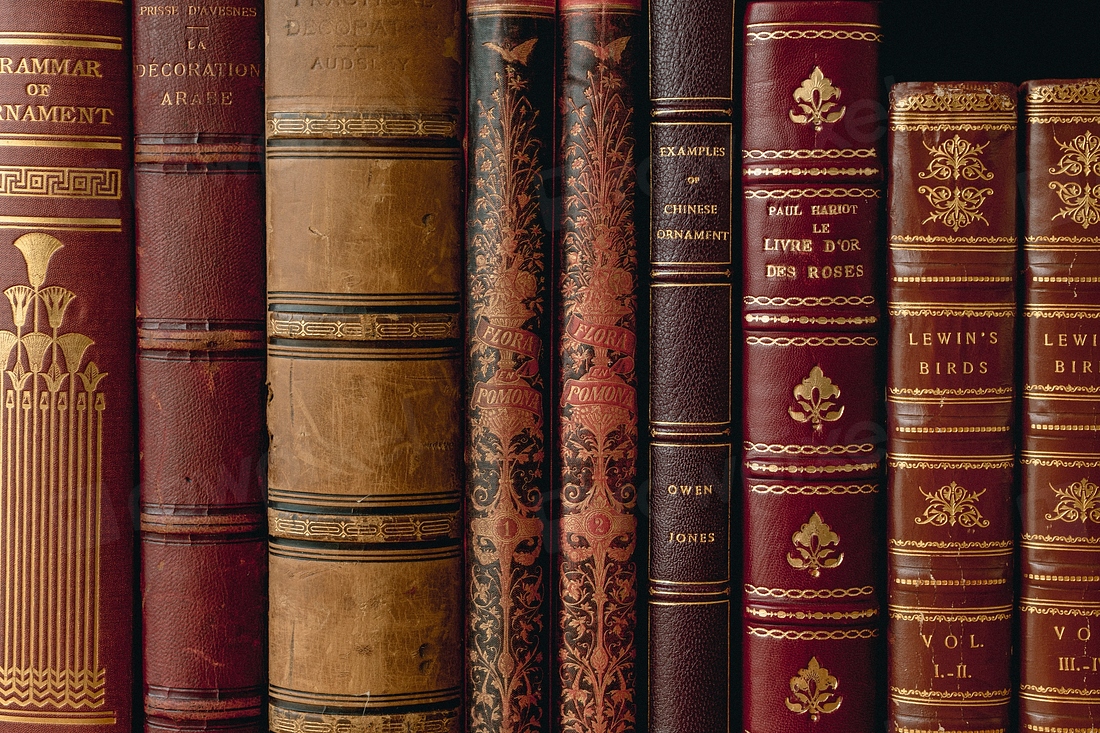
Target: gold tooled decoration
<point>952,504</point>
<point>1080,501</point>
<point>812,691</point>
<point>1087,92</point>
<point>1080,158</point>
<point>815,543</point>
<point>813,396</point>
<point>945,100</point>
<point>816,102</point>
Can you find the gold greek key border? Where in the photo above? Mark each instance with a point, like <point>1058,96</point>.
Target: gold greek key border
<point>56,182</point>
<point>809,593</point>
<point>360,125</point>
<point>814,193</point>
<point>809,490</point>
<point>788,635</point>
<point>810,450</point>
<point>811,341</point>
<point>812,470</point>
<point>810,302</point>
<point>812,154</point>
<point>811,172</point>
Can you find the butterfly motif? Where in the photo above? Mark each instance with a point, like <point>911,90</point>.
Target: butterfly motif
<point>613,50</point>
<point>516,54</point>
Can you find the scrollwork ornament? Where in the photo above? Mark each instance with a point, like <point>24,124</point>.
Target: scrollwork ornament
<point>951,505</point>
<point>812,691</point>
<point>1078,502</point>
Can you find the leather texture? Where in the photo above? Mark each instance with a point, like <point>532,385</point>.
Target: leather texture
<point>67,470</point>
<point>508,246</point>
<point>812,433</point>
<point>365,273</point>
<point>198,134</point>
<point>1059,457</point>
<point>691,404</point>
<point>597,277</point>
<point>950,401</point>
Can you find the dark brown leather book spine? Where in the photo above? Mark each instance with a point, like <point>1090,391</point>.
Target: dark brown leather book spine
<point>511,116</point>
<point>1060,457</point>
<point>365,200</point>
<point>597,575</point>
<point>812,174</point>
<point>198,196</point>
<point>952,240</point>
<point>691,407</point>
<point>67,467</point>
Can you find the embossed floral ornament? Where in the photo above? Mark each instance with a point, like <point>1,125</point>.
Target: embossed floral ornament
<point>1080,158</point>
<point>952,505</point>
<point>813,396</point>
<point>816,98</point>
<point>815,542</point>
<point>812,690</point>
<point>954,160</point>
<point>1078,502</point>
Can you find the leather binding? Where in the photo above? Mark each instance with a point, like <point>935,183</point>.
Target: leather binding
<point>950,396</point>
<point>1059,686</point>
<point>365,228</point>
<point>67,467</point>
<point>597,576</point>
<point>198,144</point>
<point>511,115</point>
<point>812,174</point>
<point>690,407</point>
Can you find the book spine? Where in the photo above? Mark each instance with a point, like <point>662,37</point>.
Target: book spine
<point>198,196</point>
<point>365,230</point>
<point>691,363</point>
<point>812,171</point>
<point>511,115</point>
<point>598,411</point>
<point>1060,540</point>
<point>950,397</point>
<point>67,466</point>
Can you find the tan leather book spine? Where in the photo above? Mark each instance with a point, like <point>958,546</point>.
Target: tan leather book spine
<point>1059,687</point>
<point>67,468</point>
<point>365,227</point>
<point>950,399</point>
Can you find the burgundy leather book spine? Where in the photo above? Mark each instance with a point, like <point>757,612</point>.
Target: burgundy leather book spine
<point>950,388</point>
<point>812,173</point>
<point>511,116</point>
<point>198,145</point>
<point>1059,686</point>
<point>597,574</point>
<point>67,468</point>
<point>690,407</point>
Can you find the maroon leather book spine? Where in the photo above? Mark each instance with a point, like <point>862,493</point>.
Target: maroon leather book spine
<point>690,407</point>
<point>812,172</point>
<point>597,576</point>
<point>952,240</point>
<point>67,388</point>
<point>511,116</point>
<point>1059,686</point>
<point>198,190</point>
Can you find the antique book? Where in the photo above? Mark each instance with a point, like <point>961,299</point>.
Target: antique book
<point>1059,684</point>
<point>950,396</point>
<point>199,229</point>
<point>67,465</point>
<point>597,276</point>
<point>691,353</point>
<point>812,440</point>
<point>511,116</point>
<point>365,227</point>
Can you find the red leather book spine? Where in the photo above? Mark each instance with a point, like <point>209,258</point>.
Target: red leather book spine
<point>1059,685</point>
<point>952,239</point>
<point>198,144</point>
<point>812,171</point>
<point>66,395</point>
<point>511,115</point>
<point>598,409</point>
<point>691,407</point>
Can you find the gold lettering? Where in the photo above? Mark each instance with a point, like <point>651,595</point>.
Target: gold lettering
<point>691,208</point>
<point>1059,630</point>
